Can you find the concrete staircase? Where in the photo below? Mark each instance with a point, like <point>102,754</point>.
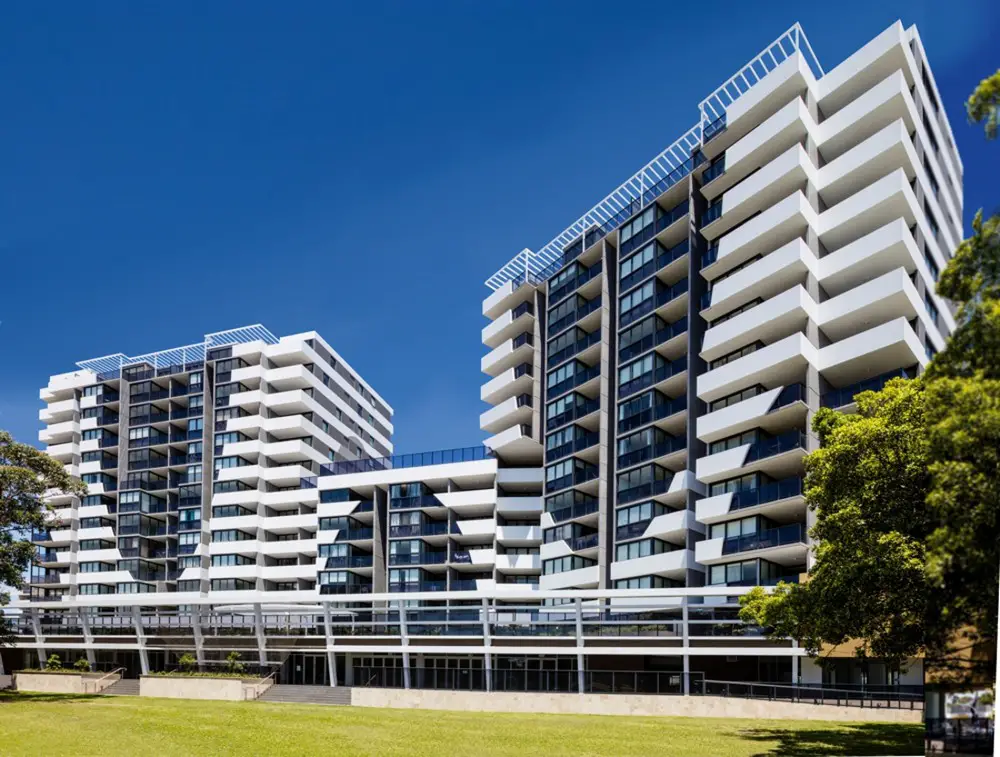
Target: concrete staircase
<point>307,694</point>
<point>123,687</point>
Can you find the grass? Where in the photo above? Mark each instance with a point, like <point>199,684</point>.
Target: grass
<point>53,725</point>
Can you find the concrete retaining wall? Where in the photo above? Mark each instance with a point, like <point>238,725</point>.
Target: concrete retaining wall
<point>50,683</point>
<point>623,704</point>
<point>183,687</point>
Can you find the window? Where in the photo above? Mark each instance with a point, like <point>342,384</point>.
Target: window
<point>564,340</point>
<point>734,573</point>
<point>736,397</point>
<point>646,582</point>
<point>233,584</point>
<point>195,424</point>
<point>637,224</point>
<point>736,355</point>
<point>189,538</point>
<point>561,374</point>
<point>636,549</point>
<point>196,380</point>
<point>563,564</point>
<point>635,263</point>
<point>188,562</point>
<point>93,391</point>
<point>732,442</point>
<point>635,299</point>
<point>735,312</point>
<point>219,561</point>
<point>734,528</point>
<point>565,435</point>
<point>738,484</point>
<point>195,403</point>
<point>639,513</point>
<point>231,535</point>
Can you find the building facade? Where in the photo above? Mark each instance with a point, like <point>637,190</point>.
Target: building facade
<point>651,375</point>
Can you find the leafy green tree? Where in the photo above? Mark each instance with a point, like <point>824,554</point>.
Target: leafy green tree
<point>984,103</point>
<point>25,475</point>
<point>82,665</point>
<point>53,663</point>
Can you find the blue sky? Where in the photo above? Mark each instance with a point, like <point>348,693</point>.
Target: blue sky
<point>169,169</point>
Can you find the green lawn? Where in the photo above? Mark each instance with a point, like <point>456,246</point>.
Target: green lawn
<point>52,725</point>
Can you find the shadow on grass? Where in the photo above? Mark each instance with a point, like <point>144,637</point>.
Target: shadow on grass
<point>852,739</point>
<point>9,696</point>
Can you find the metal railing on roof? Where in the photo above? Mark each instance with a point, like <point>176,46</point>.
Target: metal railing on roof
<point>191,353</point>
<point>665,170</point>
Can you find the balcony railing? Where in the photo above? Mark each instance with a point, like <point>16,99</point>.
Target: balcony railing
<point>578,346</point>
<point>642,236</point>
<point>662,373</point>
<point>713,129</point>
<point>579,444</point>
<point>582,376</point>
<point>579,510</point>
<point>580,543</point>
<point>665,447</point>
<point>845,395</point>
<point>421,558</point>
<point>659,411</point>
<point>715,170</point>
<point>794,533</point>
<point>570,318</point>
<point>648,489</point>
<point>660,298</point>
<point>574,413</point>
<point>776,445</point>
<point>713,213</point>
<point>575,478</point>
<point>432,528</point>
<point>662,260</point>
<point>773,492</point>
<point>567,288</point>
<point>349,561</point>
<point>415,460</point>
<point>647,343</point>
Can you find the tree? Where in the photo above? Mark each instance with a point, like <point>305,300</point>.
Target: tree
<point>233,664</point>
<point>25,476</point>
<point>983,104</point>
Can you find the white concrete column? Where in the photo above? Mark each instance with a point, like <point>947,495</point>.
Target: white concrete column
<point>487,657</point>
<point>404,641</point>
<point>795,664</point>
<point>36,626</point>
<point>685,658</point>
<point>140,636</point>
<point>580,677</point>
<point>199,638</point>
<point>331,658</point>
<point>88,638</point>
<point>258,627</point>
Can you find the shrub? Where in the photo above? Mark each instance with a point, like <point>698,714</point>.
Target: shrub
<point>233,664</point>
<point>53,663</point>
<point>83,665</point>
<point>187,662</point>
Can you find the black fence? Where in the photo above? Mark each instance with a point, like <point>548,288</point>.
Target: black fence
<point>897,698</point>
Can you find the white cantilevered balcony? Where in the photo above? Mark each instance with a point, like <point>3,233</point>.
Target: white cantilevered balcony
<point>673,564</point>
<point>62,410</point>
<point>512,411</point>
<point>515,444</point>
<point>583,578</point>
<point>514,507</point>
<point>782,501</point>
<point>772,410</point>
<point>58,433</point>
<point>509,383</point>
<point>768,322</point>
<point>506,297</point>
<point>509,324</point>
<point>784,545</point>
<point>519,536</point>
<point>778,456</point>
<point>508,354</point>
<point>519,564</point>
<point>469,503</point>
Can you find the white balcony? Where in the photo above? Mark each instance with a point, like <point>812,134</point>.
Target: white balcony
<point>507,384</point>
<point>519,536</point>
<point>62,410</point>
<point>505,356</point>
<point>519,506</point>
<point>776,364</point>
<point>754,412</point>
<point>290,547</point>
<point>471,530</point>
<point>510,412</point>
<point>581,578</point>
<point>768,321</point>
<point>519,564</point>
<point>289,523</point>
<point>58,433</point>
<point>782,506</point>
<point>673,527</point>
<point>871,353</point>
<point>712,552</point>
<point>765,278</point>
<point>470,502</point>
<point>506,326</point>
<point>673,564</point>
<point>289,572</point>
<point>506,297</point>
<point>63,452</point>
<point>289,497</point>
<point>515,444</point>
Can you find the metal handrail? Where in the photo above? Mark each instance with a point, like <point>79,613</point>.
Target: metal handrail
<point>261,683</point>
<point>97,683</point>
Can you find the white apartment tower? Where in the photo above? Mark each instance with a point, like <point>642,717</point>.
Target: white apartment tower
<point>663,356</point>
